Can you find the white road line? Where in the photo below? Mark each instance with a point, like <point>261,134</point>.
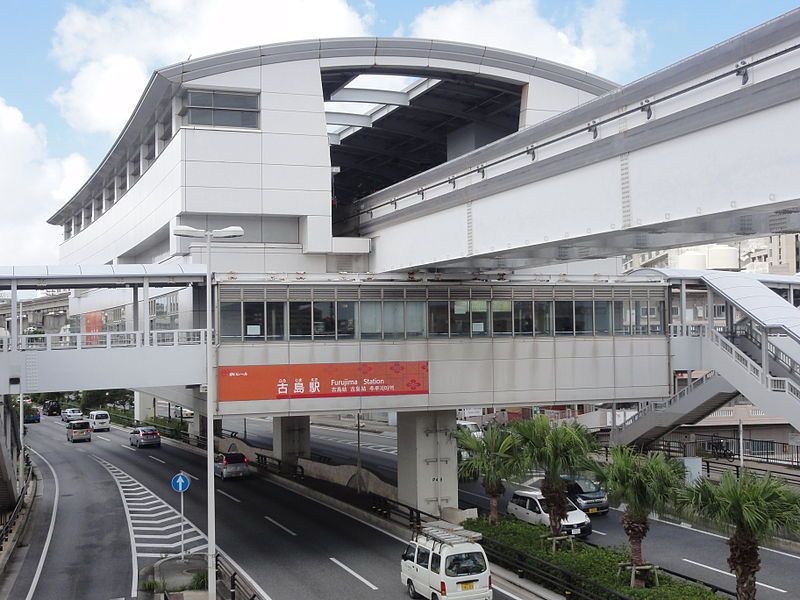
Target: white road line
<point>156,459</point>
<point>692,562</point>
<point>286,529</point>
<point>191,476</point>
<point>353,573</point>
<point>128,448</point>
<point>598,532</point>
<point>100,437</point>
<point>42,558</point>
<point>227,495</point>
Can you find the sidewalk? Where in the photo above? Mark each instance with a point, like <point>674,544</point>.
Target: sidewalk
<point>350,424</point>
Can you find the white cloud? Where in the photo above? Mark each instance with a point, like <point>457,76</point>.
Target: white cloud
<point>111,53</point>
<point>32,186</point>
<point>598,40</point>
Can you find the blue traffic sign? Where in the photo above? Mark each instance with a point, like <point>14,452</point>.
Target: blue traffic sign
<point>180,483</point>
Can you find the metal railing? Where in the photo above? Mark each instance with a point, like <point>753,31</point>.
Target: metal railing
<point>276,465</point>
<point>761,451</point>
<point>231,585</point>
<point>11,519</point>
<point>106,339</point>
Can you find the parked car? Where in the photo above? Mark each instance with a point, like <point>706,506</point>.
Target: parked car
<point>51,408</point>
<point>71,414</point>
<point>449,566</point>
<point>100,420</point>
<point>531,507</point>
<point>178,410</point>
<point>472,427</point>
<point>78,431</point>
<point>31,415</point>
<point>145,436</point>
<point>231,464</point>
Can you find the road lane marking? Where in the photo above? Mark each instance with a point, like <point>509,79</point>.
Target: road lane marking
<point>692,562</point>
<point>105,439</point>
<point>128,448</point>
<point>353,573</point>
<point>191,476</point>
<point>42,558</point>
<point>598,532</point>
<point>156,459</point>
<point>286,529</point>
<point>227,495</point>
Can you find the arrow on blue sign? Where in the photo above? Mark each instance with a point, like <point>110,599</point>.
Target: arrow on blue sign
<point>180,483</point>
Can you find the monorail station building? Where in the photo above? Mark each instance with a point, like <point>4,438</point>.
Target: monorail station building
<point>391,234</point>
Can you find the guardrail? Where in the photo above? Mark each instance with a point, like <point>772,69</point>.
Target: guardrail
<point>276,465</point>
<point>106,339</point>
<point>231,585</point>
<point>11,520</point>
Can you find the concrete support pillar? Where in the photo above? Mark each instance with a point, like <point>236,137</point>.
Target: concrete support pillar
<point>117,188</point>
<point>136,308</point>
<point>142,159</point>
<point>146,312</point>
<point>427,467</point>
<point>159,142</point>
<point>108,198</point>
<point>291,438</point>
<point>128,175</point>
<point>14,325</point>
<point>176,113</point>
<point>195,424</point>
<point>143,406</point>
<point>710,310</point>
<point>683,305</point>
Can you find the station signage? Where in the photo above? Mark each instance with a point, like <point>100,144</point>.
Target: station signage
<point>327,380</point>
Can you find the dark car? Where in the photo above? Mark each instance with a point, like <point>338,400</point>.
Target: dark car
<point>585,493</point>
<point>31,416</point>
<point>51,408</point>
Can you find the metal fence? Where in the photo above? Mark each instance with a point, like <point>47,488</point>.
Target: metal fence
<point>716,447</point>
<point>10,519</point>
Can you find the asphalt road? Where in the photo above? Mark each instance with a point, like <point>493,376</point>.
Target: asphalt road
<point>292,547</point>
<point>699,554</point>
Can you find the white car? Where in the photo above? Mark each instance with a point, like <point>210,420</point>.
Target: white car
<point>472,427</point>
<point>71,414</point>
<point>440,563</point>
<point>531,507</point>
<point>100,420</point>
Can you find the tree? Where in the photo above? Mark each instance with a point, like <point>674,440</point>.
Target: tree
<point>645,483</point>
<point>555,449</point>
<point>493,457</point>
<point>751,509</point>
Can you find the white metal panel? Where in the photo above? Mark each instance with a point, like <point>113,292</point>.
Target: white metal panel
<point>222,175</point>
<point>289,149</point>
<point>242,79</point>
<point>222,200</point>
<point>296,177</point>
<point>297,123</point>
<point>296,202</point>
<point>222,145</point>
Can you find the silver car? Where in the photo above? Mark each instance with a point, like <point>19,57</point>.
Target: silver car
<point>145,436</point>
<point>71,414</point>
<point>231,464</point>
<point>78,431</point>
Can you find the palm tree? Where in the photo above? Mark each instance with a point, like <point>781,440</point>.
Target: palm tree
<point>493,457</point>
<point>556,449</point>
<point>752,509</point>
<point>645,483</point>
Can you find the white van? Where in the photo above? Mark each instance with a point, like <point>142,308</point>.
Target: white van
<point>440,564</point>
<point>472,427</point>
<point>531,507</point>
<point>100,420</point>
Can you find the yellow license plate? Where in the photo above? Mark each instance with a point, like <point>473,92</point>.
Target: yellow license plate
<point>467,586</point>
<point>592,510</point>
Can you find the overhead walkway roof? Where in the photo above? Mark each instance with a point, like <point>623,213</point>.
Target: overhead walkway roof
<point>91,276</point>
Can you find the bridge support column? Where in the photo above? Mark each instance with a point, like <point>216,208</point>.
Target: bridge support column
<point>427,465</point>
<point>143,406</point>
<point>291,438</point>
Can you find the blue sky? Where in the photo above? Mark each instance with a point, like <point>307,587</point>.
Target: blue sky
<point>71,71</point>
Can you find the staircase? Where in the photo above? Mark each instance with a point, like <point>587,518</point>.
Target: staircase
<point>692,404</point>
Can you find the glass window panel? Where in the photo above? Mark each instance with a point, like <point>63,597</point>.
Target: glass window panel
<point>459,318</point>
<point>393,326</point>
<point>346,320</point>
<point>199,99</point>
<point>200,116</point>
<point>276,320</point>
<point>543,317</point>
<point>584,321</point>
<point>235,118</point>
<point>324,320</point>
<point>523,317</point>
<point>656,317</point>
<point>622,317</point>
<point>602,317</point>
<point>479,310</point>
<point>230,315</point>
<point>502,323</point>
<point>640,317</point>
<point>371,320</point>
<point>254,320</point>
<point>415,319</point>
<point>438,322</point>
<point>300,320</point>
<point>565,324</point>
<point>222,100</point>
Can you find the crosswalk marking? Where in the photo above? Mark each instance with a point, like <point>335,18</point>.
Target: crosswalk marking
<point>369,445</point>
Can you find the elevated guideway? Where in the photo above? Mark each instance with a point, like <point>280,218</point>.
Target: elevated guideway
<point>702,151</point>
<point>759,358</point>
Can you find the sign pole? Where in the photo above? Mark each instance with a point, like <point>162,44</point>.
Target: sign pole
<point>183,556</point>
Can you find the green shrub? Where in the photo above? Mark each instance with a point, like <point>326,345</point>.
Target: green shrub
<point>595,563</point>
<point>199,581</point>
<point>151,585</point>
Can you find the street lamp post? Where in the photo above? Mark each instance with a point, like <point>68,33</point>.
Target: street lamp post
<point>211,393</point>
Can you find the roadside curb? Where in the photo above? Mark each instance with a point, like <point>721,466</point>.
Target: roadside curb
<point>510,582</point>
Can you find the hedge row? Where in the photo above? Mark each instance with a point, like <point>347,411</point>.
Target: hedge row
<point>595,563</point>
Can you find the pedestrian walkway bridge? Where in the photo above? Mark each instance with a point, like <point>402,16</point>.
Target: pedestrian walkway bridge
<point>702,151</point>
